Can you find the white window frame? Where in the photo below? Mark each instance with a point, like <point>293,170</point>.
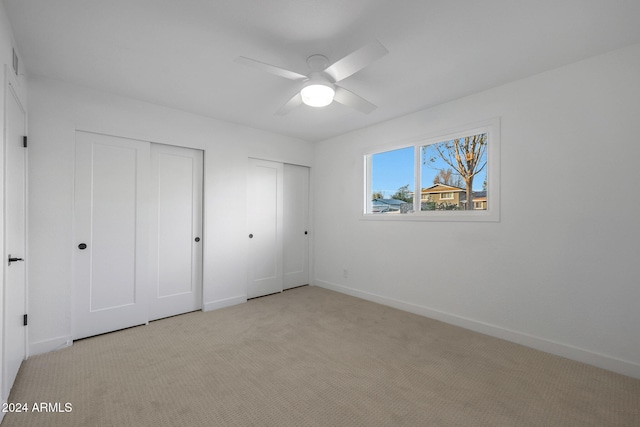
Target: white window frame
<point>450,193</point>
<point>491,214</point>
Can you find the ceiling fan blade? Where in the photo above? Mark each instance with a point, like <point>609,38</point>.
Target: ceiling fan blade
<point>356,61</point>
<point>295,101</point>
<point>350,99</point>
<point>287,74</point>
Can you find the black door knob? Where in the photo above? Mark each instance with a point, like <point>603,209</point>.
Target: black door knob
<point>197,239</point>
<point>82,246</point>
<point>251,236</point>
<point>305,233</point>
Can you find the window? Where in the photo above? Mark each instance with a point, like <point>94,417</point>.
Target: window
<point>456,176</point>
<point>391,181</point>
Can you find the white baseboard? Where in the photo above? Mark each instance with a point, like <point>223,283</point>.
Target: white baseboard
<point>53,344</point>
<point>228,302</point>
<point>570,352</point>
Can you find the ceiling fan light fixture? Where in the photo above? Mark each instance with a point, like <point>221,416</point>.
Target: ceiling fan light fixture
<point>317,94</point>
<point>320,87</point>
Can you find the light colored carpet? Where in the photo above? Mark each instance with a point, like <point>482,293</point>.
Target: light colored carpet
<point>313,357</point>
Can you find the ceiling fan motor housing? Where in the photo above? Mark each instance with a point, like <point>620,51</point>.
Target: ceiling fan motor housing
<point>317,62</point>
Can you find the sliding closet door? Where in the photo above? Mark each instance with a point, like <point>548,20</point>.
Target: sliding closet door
<point>175,230</point>
<point>278,220</point>
<point>265,220</point>
<point>138,230</point>
<point>296,226</point>
<point>110,268</point>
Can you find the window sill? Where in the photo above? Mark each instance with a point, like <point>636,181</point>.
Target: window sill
<point>471,216</point>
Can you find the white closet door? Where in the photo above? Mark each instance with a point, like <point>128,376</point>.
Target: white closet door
<point>111,211</point>
<point>175,230</point>
<point>14,332</point>
<point>265,221</point>
<point>296,225</point>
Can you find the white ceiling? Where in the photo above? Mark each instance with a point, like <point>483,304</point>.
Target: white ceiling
<point>180,53</point>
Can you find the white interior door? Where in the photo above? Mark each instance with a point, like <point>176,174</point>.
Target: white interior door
<point>296,225</point>
<point>265,221</point>
<point>175,230</point>
<point>110,259</point>
<point>14,333</point>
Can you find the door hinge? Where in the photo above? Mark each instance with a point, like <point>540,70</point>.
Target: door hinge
<point>24,320</point>
<point>24,141</point>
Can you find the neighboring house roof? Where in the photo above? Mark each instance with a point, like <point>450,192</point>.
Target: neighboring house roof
<point>389,202</point>
<point>386,205</point>
<point>478,196</point>
<point>442,188</point>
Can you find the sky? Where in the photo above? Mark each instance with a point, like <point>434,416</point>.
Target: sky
<point>391,170</point>
<point>394,169</point>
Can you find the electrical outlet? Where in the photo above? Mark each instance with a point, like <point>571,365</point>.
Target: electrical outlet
<point>345,273</point>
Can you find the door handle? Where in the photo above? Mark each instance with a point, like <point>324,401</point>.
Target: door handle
<point>14,259</point>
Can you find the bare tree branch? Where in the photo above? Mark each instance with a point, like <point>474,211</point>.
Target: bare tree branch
<point>466,156</point>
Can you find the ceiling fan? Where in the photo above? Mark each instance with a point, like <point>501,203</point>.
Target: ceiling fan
<point>319,87</point>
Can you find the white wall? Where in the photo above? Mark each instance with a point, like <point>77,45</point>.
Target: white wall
<point>59,109</point>
<point>561,270</point>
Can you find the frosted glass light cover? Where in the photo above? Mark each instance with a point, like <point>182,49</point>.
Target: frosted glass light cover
<point>317,95</point>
